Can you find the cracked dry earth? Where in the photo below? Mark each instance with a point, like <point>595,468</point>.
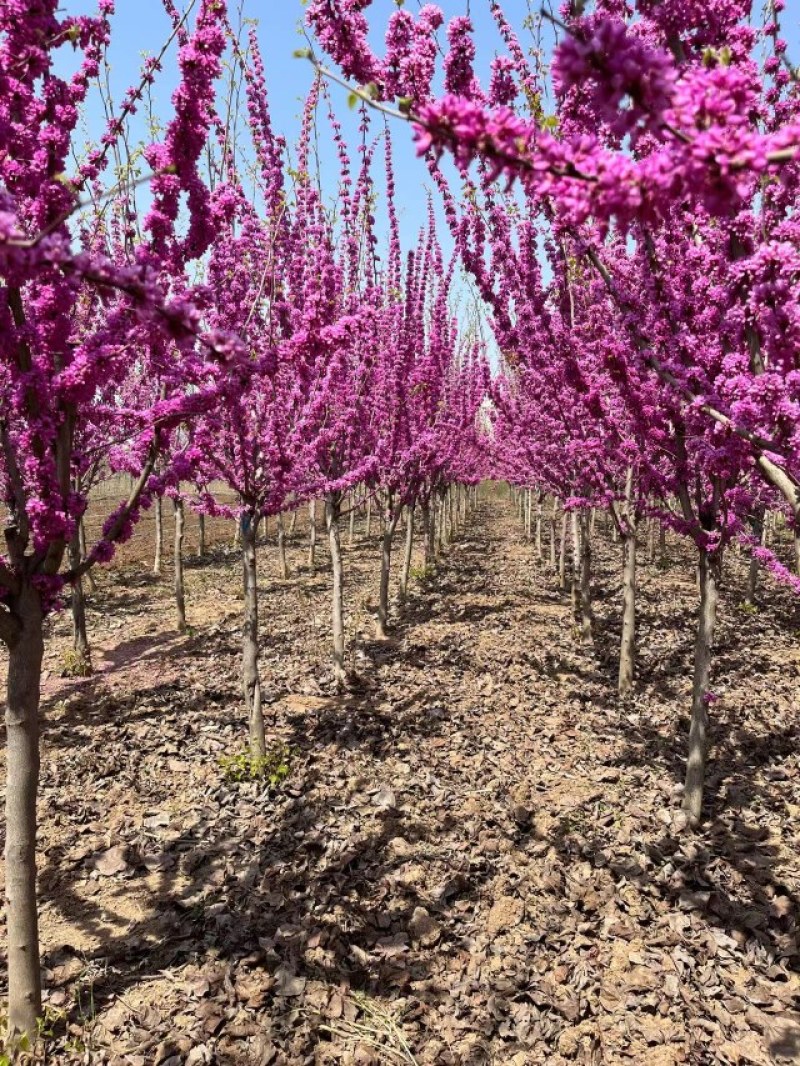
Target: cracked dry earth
<point>476,857</point>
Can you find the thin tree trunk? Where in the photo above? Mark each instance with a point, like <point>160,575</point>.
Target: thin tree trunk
<point>405,573</point>
<point>539,549</point>
<point>237,535</point>
<point>312,533</point>
<point>698,730</point>
<point>627,652</point>
<point>180,592</point>
<point>662,543</point>
<point>251,681</point>
<point>284,562</point>
<point>293,523</point>
<point>22,779</point>
<point>368,524</point>
<point>392,518</point>
<point>553,534</point>
<point>587,617</point>
<point>332,513</point>
<point>159,556</point>
<point>576,562</point>
<point>651,540</point>
<point>427,535</point>
<point>562,559</point>
<point>90,580</point>
<point>201,535</point>
<point>80,639</point>
<point>752,576</point>
<point>351,531</point>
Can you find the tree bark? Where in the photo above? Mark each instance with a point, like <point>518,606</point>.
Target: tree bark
<point>587,616</point>
<point>201,535</point>
<point>90,580</point>
<point>627,651</point>
<point>80,639</point>
<point>368,524</point>
<point>698,730</point>
<point>576,563</point>
<point>312,533</point>
<point>562,559</point>
<point>180,589</point>
<point>351,532</point>
<point>159,556</point>
<point>427,535</point>
<point>539,549</point>
<point>392,518</point>
<point>752,576</point>
<point>553,534</point>
<point>250,679</point>
<point>405,573</point>
<point>22,779</point>
<point>333,508</point>
<point>293,523</point>
<point>284,562</point>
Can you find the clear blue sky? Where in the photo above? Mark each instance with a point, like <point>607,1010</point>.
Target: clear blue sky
<point>141,26</point>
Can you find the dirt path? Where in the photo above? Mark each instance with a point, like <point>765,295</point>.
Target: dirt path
<point>473,860</point>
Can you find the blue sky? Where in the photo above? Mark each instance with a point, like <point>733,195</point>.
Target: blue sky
<point>141,26</point>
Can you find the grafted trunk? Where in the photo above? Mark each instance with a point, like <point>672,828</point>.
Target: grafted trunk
<point>405,573</point>
<point>392,518</point>
<point>627,651</point>
<point>80,639</point>
<point>22,780</point>
<point>312,533</point>
<point>283,561</point>
<point>587,616</point>
<point>251,681</point>
<point>333,508</point>
<point>180,591</point>
<point>158,561</point>
<point>708,571</point>
<point>201,535</point>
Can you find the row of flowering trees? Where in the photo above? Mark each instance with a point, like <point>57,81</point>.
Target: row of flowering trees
<point>638,249</point>
<point>253,341</point>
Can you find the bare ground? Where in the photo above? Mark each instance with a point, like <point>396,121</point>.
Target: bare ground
<point>476,856</point>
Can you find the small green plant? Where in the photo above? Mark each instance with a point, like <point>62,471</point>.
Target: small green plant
<point>421,573</point>
<point>747,608</point>
<point>273,768</point>
<point>73,664</point>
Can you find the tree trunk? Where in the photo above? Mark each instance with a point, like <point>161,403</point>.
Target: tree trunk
<point>201,535</point>
<point>562,559</point>
<point>351,531</point>
<point>312,533</point>
<point>392,518</point>
<point>662,543</point>
<point>368,529</point>
<point>587,617</point>
<point>576,562</point>
<point>333,508</point>
<point>539,549</point>
<point>293,523</point>
<point>284,562</point>
<point>752,576</point>
<point>22,779</point>
<point>90,581</point>
<point>698,731</point>
<point>627,651</point>
<point>159,557</point>
<point>405,573</point>
<point>180,593</point>
<point>80,639</point>
<point>651,540</point>
<point>427,535</point>
<point>553,534</point>
<point>250,679</point>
